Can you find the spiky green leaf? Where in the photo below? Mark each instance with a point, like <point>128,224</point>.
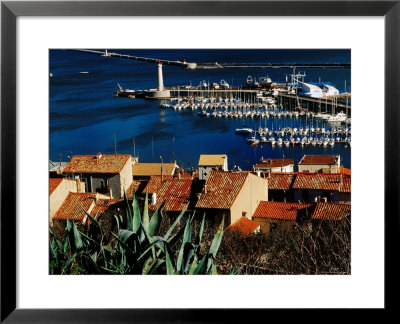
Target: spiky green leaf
<point>178,219</point>
<point>155,221</point>
<point>186,239</point>
<point>217,239</point>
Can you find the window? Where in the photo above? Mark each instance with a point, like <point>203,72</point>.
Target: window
<point>272,227</point>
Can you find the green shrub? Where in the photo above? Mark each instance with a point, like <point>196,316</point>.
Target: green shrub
<point>136,248</point>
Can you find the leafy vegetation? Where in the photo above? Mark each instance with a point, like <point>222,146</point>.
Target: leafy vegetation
<point>135,247</point>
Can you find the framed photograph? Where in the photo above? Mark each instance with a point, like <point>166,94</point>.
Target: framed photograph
<point>238,110</point>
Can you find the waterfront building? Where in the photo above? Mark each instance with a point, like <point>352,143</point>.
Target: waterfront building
<point>232,195</point>
<point>325,187</point>
<point>320,163</point>
<point>280,186</point>
<point>144,171</point>
<point>103,173</point>
<point>59,188</point>
<point>274,165</point>
<point>209,162</point>
<point>273,215</point>
<point>76,204</point>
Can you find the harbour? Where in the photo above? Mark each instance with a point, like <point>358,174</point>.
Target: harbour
<point>196,117</point>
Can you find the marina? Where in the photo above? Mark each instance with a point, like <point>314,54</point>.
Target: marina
<point>244,112</point>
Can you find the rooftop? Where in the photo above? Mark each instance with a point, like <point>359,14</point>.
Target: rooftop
<point>331,211</point>
<point>212,159</point>
<point>322,181</point>
<point>72,206</point>
<point>150,169</point>
<point>221,189</point>
<point>279,210</point>
<point>319,160</point>
<point>154,184</point>
<point>281,180</point>
<point>99,163</point>
<point>244,225</point>
<point>53,184</point>
<point>175,192</point>
<point>274,163</point>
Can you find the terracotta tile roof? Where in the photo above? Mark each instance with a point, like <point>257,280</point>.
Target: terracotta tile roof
<point>53,184</point>
<point>175,192</point>
<point>102,205</point>
<point>134,186</point>
<point>212,159</point>
<point>346,184</point>
<point>72,206</point>
<point>281,180</point>
<point>317,181</point>
<point>279,210</point>
<point>319,160</point>
<point>244,225</point>
<point>274,163</point>
<point>323,181</point>
<point>150,169</point>
<point>221,189</point>
<point>99,163</point>
<point>331,211</point>
<point>154,184</point>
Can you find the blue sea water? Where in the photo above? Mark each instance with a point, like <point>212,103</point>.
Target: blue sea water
<point>85,117</point>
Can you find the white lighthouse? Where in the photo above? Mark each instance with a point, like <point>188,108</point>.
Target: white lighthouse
<point>160,92</point>
<point>160,77</point>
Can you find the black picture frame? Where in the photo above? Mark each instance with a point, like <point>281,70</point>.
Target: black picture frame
<point>10,10</point>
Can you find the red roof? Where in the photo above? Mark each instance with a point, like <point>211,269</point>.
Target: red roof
<point>154,184</point>
<point>323,181</point>
<point>53,184</point>
<point>279,210</point>
<point>281,180</point>
<point>175,193</point>
<point>274,163</point>
<point>72,206</point>
<point>317,181</point>
<point>331,211</point>
<point>99,163</point>
<point>318,160</point>
<point>346,184</point>
<point>244,225</point>
<point>221,189</point>
<point>102,205</point>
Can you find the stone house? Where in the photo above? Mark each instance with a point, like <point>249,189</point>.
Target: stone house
<point>325,187</point>
<point>209,162</point>
<point>274,165</point>
<point>102,173</point>
<point>59,188</point>
<point>232,195</point>
<point>319,163</point>
<point>274,215</point>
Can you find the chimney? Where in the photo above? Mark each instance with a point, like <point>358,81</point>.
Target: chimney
<point>179,175</point>
<point>98,157</point>
<point>153,198</point>
<point>95,198</point>
<point>205,188</point>
<point>161,174</point>
<point>110,193</point>
<point>78,185</point>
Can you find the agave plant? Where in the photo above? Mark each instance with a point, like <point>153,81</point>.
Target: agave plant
<point>137,247</point>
